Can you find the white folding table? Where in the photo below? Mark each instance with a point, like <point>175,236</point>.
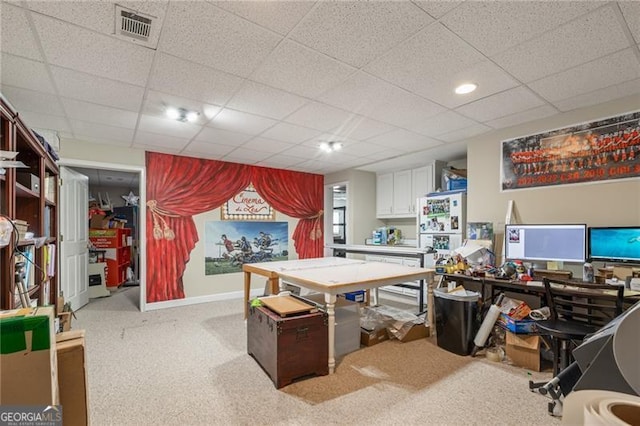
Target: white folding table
<point>336,275</point>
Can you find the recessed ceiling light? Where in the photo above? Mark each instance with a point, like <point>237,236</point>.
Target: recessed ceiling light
<point>463,89</point>
<point>192,116</point>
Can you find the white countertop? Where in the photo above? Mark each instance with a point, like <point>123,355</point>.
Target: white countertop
<point>378,248</point>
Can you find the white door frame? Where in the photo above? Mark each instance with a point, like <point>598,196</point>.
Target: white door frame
<point>328,215</point>
<point>142,244</point>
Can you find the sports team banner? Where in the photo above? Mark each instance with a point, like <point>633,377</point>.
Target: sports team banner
<point>598,151</point>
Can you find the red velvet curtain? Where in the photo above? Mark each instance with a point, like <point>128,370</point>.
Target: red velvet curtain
<point>299,195</point>
<point>177,189</point>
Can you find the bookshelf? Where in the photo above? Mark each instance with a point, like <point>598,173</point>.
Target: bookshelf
<point>30,198</point>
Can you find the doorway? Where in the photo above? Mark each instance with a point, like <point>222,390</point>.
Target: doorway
<point>336,222</point>
<point>115,195</point>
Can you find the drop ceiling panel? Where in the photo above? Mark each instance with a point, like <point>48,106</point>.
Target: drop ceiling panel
<point>267,145</point>
<point>70,46</point>
<point>609,70</point>
<point>191,80</point>
<point>163,126</point>
<point>280,161</point>
<point>437,9</point>
<point>290,133</point>
<point>300,70</point>
<point>467,132</point>
<point>159,141</point>
<point>505,103</point>
<point>243,155</point>
<point>319,116</point>
<point>229,119</point>
<point>631,13</point>
<point>161,149</point>
<point>445,122</point>
<point>87,87</point>
<point>263,100</point>
<point>357,32</point>
<point>84,111</point>
<point>522,117</point>
<point>358,127</point>
<point>280,17</point>
<point>83,129</point>
<point>28,100</point>
<point>629,88</point>
<point>210,150</point>
<point>233,44</point>
<point>25,73</point>
<point>225,137</point>
<point>573,44</point>
<point>45,121</point>
<point>404,140</point>
<point>303,151</point>
<point>402,109</point>
<point>492,27</point>
<point>434,62</point>
<point>14,21</point>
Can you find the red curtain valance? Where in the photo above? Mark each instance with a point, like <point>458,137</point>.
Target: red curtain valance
<point>180,187</point>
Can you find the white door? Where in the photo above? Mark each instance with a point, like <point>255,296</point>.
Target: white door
<point>74,230</point>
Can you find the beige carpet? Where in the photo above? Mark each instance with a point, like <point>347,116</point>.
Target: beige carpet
<point>189,366</point>
<point>413,366</point>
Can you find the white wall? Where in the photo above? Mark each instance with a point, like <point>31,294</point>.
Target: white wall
<point>79,150</point>
<point>361,205</point>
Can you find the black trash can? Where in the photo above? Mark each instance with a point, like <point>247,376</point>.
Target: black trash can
<point>456,320</point>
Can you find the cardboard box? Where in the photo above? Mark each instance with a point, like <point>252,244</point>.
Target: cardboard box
<point>28,357</point>
<point>370,338</point>
<point>417,331</point>
<point>524,350</point>
<point>72,378</point>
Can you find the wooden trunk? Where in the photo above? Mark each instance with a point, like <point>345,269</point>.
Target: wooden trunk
<point>288,348</point>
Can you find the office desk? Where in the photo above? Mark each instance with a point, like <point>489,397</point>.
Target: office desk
<point>333,276</point>
<point>495,285</point>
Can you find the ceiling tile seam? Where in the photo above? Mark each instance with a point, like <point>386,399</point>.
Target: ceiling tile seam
<point>543,33</point>
<point>581,65</point>
<point>47,66</point>
<point>626,30</point>
<point>588,93</point>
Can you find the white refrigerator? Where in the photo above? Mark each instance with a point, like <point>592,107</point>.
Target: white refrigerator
<point>441,223</point>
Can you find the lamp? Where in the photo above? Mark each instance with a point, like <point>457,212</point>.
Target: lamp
<point>331,146</point>
<point>182,114</point>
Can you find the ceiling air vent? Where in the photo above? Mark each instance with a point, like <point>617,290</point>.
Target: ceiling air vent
<point>133,25</point>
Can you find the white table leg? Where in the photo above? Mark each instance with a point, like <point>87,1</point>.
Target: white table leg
<point>330,300</point>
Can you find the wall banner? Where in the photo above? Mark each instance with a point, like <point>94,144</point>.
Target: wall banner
<point>598,151</point>
<point>247,205</point>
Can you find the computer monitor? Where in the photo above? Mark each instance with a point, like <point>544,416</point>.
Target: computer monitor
<point>559,243</point>
<point>615,244</point>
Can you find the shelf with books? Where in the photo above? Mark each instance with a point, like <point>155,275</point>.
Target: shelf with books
<point>23,200</point>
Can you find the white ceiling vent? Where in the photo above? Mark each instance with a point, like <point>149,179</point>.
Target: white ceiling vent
<point>134,26</point>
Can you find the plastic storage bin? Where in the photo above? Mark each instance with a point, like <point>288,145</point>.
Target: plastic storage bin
<point>456,320</point>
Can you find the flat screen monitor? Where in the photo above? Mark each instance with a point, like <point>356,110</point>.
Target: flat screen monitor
<point>615,244</point>
<point>559,243</point>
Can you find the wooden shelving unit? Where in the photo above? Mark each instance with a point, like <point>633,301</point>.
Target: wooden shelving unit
<point>31,204</point>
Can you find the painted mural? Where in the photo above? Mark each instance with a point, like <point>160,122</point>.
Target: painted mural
<point>230,244</point>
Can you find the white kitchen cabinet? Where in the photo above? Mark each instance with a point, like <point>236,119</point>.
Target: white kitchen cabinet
<point>397,192</point>
<point>384,195</point>
<point>396,289</point>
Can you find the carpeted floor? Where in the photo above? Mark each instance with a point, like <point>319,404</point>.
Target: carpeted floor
<point>189,366</point>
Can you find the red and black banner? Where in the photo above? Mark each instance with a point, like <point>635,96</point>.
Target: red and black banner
<point>597,151</point>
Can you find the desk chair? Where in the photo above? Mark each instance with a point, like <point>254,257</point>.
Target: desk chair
<point>577,310</point>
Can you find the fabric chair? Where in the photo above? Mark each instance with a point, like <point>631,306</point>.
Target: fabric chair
<point>577,310</point>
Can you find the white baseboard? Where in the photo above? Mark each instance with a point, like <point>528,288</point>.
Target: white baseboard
<point>201,299</point>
